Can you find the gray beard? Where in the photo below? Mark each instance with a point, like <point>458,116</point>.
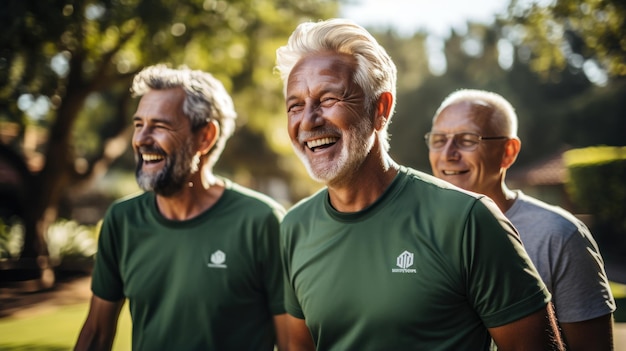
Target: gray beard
<point>174,175</point>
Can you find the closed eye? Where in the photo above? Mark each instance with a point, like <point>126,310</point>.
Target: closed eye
<point>295,108</point>
<point>438,141</point>
<point>329,101</point>
<point>162,126</point>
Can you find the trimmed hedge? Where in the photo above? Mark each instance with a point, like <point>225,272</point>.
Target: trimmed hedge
<point>597,186</point>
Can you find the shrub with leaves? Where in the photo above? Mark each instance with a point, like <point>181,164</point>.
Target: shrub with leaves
<point>11,238</point>
<point>597,186</point>
<point>68,238</point>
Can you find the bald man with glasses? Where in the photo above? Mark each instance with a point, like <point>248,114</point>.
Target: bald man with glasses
<point>472,143</point>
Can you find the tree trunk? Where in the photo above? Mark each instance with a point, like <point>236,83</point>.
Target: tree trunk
<point>46,187</point>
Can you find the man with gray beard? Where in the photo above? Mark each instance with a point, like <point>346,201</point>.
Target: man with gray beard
<point>196,255</point>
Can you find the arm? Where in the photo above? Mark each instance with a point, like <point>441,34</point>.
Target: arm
<point>537,331</point>
<point>99,329</point>
<point>299,335</point>
<point>582,293</point>
<point>280,325</point>
<point>594,334</point>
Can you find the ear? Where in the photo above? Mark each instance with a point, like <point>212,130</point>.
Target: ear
<point>511,150</point>
<point>383,110</point>
<point>208,137</point>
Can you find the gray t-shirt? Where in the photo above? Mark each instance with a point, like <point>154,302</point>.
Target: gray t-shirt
<point>566,256</point>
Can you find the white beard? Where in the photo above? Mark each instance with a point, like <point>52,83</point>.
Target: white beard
<point>360,141</point>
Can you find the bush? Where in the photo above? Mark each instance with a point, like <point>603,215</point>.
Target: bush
<point>65,239</point>
<point>11,238</point>
<point>597,186</point>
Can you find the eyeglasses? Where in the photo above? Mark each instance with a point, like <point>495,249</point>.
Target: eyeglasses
<point>463,141</point>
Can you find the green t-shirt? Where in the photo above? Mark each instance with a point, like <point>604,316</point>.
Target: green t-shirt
<point>213,282</point>
<point>426,267</point>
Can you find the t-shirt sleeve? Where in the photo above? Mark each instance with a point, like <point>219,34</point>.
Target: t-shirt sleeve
<point>106,281</point>
<point>291,302</point>
<point>272,265</point>
<point>582,289</point>
<point>292,305</point>
<point>503,284</point>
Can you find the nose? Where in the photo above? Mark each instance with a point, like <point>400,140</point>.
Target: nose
<point>312,116</point>
<point>142,136</point>
<point>450,151</point>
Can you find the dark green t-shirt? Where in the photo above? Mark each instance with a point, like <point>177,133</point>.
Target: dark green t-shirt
<point>213,282</point>
<point>426,267</point>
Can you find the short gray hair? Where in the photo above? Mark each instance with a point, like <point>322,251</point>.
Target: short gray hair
<point>375,74</point>
<point>506,117</point>
<point>206,99</point>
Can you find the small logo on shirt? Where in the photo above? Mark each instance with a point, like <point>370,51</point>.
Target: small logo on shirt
<point>404,261</point>
<point>217,259</point>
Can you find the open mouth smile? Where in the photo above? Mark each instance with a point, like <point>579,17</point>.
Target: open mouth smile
<point>321,143</point>
<point>448,173</point>
<point>151,158</point>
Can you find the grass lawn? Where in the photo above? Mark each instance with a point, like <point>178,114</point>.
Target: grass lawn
<point>55,330</point>
<point>619,292</point>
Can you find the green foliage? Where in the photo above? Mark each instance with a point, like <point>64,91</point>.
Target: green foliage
<point>567,31</point>
<point>596,181</point>
<point>564,112</point>
<point>597,185</point>
<point>80,56</point>
<point>100,44</point>
<point>111,40</point>
<point>595,155</point>
<point>65,239</point>
<point>11,239</point>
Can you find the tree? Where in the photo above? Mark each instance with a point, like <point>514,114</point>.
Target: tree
<point>567,110</point>
<point>80,57</point>
<point>587,34</point>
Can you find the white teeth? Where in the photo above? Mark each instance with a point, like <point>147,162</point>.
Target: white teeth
<point>320,142</point>
<point>451,172</point>
<point>151,157</point>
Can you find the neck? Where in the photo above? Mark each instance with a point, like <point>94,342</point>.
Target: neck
<point>192,200</point>
<point>504,198</point>
<point>369,182</point>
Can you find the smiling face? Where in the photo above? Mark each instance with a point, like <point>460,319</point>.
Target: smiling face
<point>163,142</point>
<point>329,128</point>
<point>480,170</point>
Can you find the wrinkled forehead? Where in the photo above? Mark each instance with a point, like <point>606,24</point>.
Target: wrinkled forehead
<point>324,63</point>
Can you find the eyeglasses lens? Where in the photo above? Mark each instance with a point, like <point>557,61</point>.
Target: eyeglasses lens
<point>463,141</point>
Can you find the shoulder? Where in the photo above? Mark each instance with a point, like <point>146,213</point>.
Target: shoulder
<point>528,210</point>
<point>252,200</point>
<point>131,203</point>
<point>434,193</point>
<point>306,206</point>
<point>455,210</point>
<point>420,181</point>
